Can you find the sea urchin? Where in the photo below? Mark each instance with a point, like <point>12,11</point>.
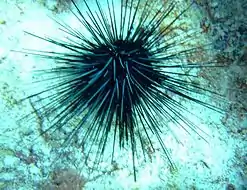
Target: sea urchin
<point>120,79</point>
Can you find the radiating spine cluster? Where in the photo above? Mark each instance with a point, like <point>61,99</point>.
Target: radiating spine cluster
<point>120,79</point>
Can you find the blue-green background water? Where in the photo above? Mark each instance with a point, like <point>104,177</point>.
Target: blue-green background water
<point>28,164</point>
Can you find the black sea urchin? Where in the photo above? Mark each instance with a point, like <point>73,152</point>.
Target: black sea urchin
<point>124,79</point>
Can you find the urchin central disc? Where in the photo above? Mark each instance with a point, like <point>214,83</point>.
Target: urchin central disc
<point>121,69</point>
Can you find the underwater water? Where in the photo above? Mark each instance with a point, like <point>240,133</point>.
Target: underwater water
<point>214,159</point>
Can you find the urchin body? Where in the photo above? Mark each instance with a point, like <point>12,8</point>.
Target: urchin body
<point>118,77</point>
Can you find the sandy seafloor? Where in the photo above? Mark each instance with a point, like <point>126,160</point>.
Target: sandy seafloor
<point>27,164</point>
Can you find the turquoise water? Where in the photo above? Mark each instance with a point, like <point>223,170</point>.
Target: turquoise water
<point>31,161</point>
